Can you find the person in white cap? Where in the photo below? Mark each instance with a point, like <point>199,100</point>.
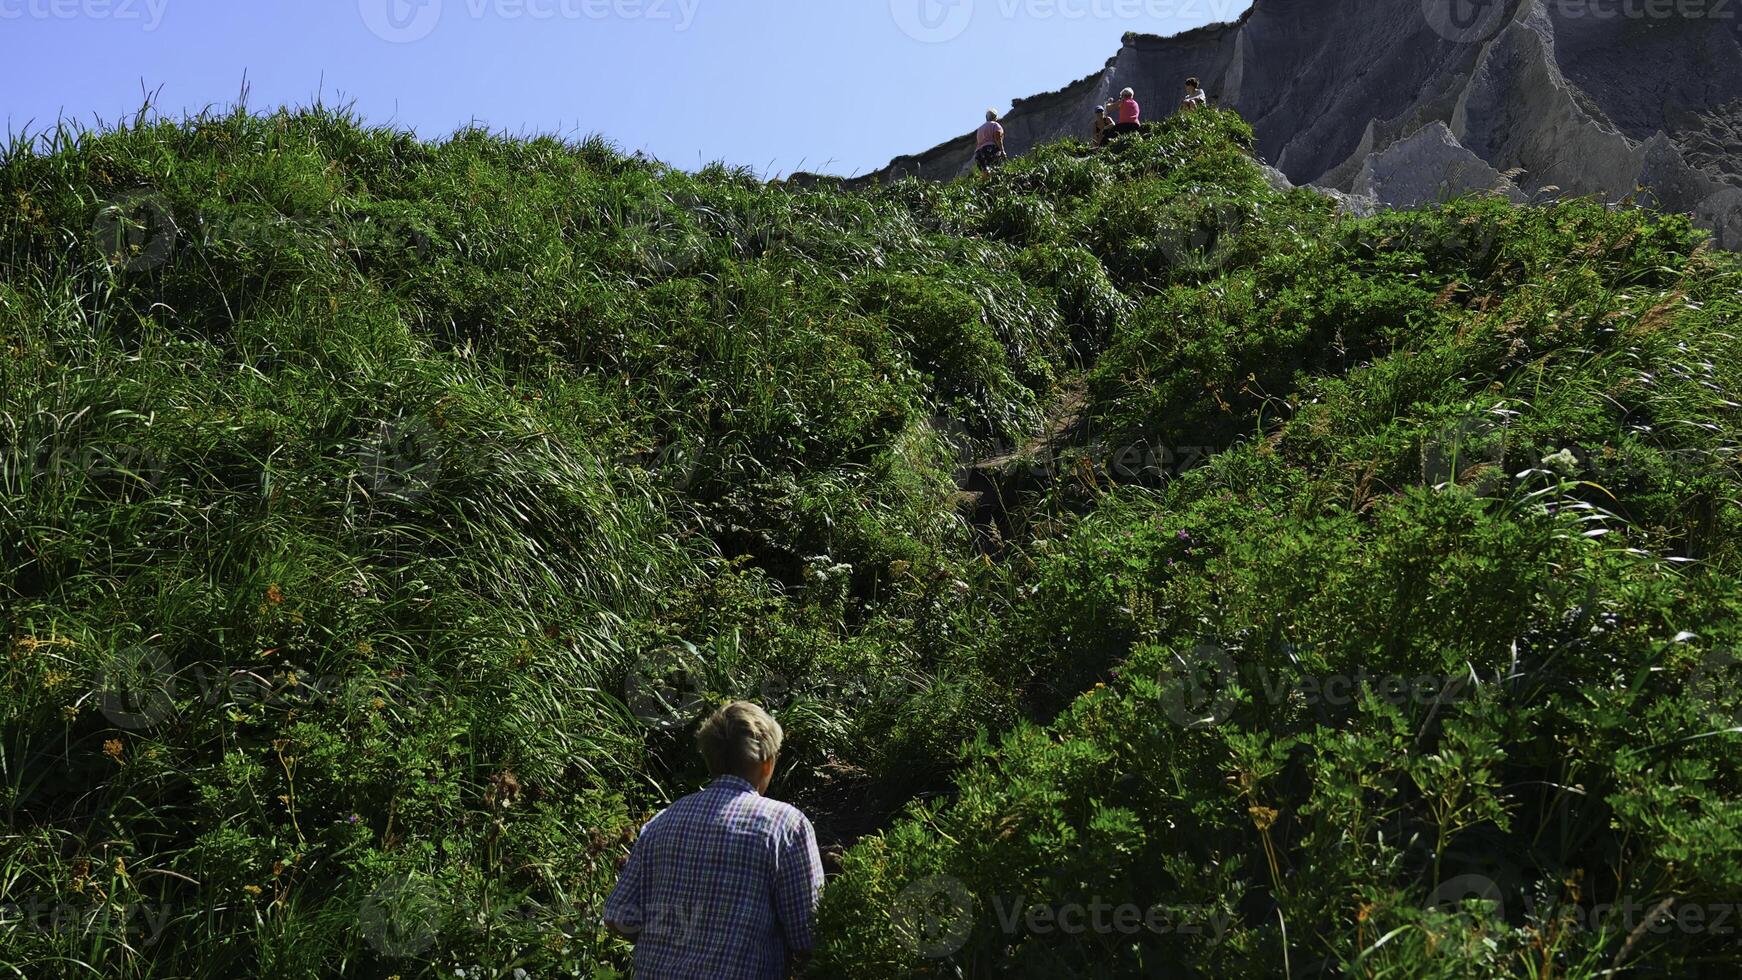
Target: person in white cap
<point>989,143</point>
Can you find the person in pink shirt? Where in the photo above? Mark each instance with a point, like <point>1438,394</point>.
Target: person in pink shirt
<point>1130,115</point>
<point>1129,111</point>
<point>989,143</point>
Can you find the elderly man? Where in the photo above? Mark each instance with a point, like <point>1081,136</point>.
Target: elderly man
<point>723,883</point>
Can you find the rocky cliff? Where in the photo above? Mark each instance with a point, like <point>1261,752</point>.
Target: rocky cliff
<point>1403,102</point>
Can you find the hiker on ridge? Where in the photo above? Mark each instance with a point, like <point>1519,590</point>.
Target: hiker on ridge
<point>1130,115</point>
<point>723,883</point>
<point>1103,122</point>
<point>989,143</point>
<point>1195,97</point>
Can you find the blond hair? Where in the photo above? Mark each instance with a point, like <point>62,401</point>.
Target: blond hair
<point>991,115</point>
<point>738,738</point>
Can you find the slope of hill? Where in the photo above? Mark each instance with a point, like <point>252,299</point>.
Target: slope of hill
<point>1567,97</point>
<point>377,517</point>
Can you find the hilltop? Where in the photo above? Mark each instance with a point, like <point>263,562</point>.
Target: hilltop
<point>1402,103</point>
<point>377,517</point>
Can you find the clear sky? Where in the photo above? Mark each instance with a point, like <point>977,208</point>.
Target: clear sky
<point>829,85</point>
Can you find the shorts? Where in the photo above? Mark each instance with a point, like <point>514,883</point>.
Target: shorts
<point>989,156</point>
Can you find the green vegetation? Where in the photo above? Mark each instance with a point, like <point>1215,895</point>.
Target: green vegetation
<point>1345,598</point>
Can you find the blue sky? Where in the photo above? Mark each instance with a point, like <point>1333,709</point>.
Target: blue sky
<point>831,85</point>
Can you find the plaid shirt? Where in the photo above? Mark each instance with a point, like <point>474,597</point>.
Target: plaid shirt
<point>720,885</point>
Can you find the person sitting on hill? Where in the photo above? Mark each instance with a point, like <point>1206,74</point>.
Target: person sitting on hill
<point>1194,95</point>
<point>724,882</point>
<point>1103,122</point>
<point>1130,115</point>
<point>989,143</point>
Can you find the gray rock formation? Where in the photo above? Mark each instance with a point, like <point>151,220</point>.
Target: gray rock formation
<point>1427,167</point>
<point>1404,102</point>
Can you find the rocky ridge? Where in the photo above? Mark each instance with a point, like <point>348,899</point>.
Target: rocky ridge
<point>1400,103</point>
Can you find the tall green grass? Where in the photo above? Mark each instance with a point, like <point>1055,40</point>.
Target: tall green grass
<point>377,517</point>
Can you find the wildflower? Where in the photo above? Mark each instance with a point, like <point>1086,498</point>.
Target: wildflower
<point>112,749</point>
<point>274,594</point>
<point>358,587</point>
<point>1564,462</point>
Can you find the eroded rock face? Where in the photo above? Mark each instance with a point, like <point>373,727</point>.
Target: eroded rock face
<point>1406,102</point>
<point>1427,168</point>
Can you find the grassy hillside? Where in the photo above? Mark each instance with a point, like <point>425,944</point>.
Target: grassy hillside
<point>1116,537</point>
